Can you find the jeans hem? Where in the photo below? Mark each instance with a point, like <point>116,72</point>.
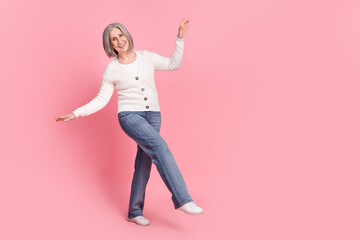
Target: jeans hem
<point>134,215</point>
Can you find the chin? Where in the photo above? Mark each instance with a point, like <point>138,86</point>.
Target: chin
<point>123,50</point>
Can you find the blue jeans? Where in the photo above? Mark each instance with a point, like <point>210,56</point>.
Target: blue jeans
<point>144,127</point>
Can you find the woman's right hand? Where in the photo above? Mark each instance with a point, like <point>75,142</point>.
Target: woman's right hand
<point>66,117</point>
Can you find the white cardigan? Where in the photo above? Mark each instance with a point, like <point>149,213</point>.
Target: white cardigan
<point>136,92</point>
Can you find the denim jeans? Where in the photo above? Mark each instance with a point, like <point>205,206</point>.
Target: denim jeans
<point>144,128</point>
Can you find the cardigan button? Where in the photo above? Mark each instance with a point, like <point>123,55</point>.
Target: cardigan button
<point>142,89</point>
<point>147,107</point>
<point>145,98</point>
<point>137,78</point>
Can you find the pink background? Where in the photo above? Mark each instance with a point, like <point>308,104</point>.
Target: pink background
<point>262,118</point>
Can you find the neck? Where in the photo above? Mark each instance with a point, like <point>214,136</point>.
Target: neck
<point>125,56</point>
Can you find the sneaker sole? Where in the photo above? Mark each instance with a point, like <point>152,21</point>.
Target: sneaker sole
<point>192,213</point>
<point>133,220</point>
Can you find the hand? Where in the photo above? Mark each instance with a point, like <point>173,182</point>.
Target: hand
<point>65,118</point>
<point>184,24</point>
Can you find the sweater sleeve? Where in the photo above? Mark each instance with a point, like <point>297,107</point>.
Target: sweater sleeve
<point>100,101</point>
<point>173,62</point>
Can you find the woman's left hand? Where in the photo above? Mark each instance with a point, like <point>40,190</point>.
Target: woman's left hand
<point>184,24</point>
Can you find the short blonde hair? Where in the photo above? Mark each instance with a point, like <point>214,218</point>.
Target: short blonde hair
<point>110,51</point>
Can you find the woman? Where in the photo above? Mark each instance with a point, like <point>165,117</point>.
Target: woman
<point>132,74</point>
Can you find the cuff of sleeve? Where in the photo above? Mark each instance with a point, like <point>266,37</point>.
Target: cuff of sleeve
<point>76,113</point>
<point>180,39</point>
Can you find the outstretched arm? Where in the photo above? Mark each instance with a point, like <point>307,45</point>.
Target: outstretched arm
<point>100,101</point>
<point>94,105</point>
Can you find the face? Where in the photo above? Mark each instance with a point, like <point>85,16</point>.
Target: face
<point>118,40</point>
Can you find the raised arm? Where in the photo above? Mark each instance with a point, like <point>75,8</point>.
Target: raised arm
<point>100,101</point>
<point>173,62</point>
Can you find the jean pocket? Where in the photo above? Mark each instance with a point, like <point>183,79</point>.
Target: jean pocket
<point>127,115</point>
<point>124,113</point>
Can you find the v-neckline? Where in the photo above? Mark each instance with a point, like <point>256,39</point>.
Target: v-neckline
<point>139,65</point>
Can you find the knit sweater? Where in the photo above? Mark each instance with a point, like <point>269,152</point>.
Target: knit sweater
<point>136,92</point>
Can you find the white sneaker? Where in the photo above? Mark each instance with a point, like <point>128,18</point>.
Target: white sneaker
<point>141,220</point>
<point>191,208</point>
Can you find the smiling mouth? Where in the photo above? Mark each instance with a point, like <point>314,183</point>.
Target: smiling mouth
<point>121,46</point>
